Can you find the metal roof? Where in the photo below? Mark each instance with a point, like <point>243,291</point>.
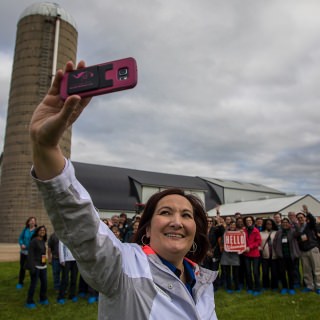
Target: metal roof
<point>156,179</point>
<point>240,185</point>
<point>268,206</point>
<point>112,187</point>
<point>49,9</point>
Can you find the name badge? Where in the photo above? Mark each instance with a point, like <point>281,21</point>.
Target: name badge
<point>284,240</point>
<point>304,237</point>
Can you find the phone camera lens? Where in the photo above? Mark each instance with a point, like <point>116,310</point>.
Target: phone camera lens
<point>123,72</point>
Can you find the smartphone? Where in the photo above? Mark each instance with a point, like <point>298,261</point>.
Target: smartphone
<point>100,79</point>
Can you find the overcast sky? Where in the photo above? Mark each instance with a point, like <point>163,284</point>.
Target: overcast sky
<point>227,89</point>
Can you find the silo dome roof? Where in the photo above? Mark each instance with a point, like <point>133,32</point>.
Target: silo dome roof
<point>48,9</point>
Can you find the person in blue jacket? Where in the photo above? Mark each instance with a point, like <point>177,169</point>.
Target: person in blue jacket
<point>158,276</point>
<point>24,242</point>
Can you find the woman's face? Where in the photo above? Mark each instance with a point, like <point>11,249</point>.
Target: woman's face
<point>249,222</point>
<point>268,225</point>
<point>232,226</point>
<point>42,232</point>
<point>172,228</point>
<point>116,231</point>
<point>135,227</point>
<point>32,222</point>
<point>285,224</point>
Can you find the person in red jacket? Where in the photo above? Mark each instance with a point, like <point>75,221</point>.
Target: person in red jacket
<point>252,256</point>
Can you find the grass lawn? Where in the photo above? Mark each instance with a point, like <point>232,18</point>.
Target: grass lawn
<point>268,306</point>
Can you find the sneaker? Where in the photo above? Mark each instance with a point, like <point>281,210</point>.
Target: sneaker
<point>318,291</point>
<point>74,299</point>
<point>256,293</point>
<point>30,305</point>
<point>44,302</point>
<point>19,286</point>
<point>61,301</point>
<point>306,290</point>
<point>249,291</point>
<point>284,291</point>
<point>92,300</point>
<point>292,291</point>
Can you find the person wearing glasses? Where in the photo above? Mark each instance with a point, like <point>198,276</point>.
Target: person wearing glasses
<point>310,255</point>
<point>210,224</point>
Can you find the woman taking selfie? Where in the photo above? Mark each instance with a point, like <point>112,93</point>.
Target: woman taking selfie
<point>157,277</point>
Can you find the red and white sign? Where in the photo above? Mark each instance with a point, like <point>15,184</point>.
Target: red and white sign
<point>234,241</point>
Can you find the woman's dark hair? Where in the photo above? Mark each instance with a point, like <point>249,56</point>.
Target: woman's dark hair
<point>36,232</point>
<point>245,220</point>
<point>274,226</point>
<point>28,220</point>
<point>200,217</point>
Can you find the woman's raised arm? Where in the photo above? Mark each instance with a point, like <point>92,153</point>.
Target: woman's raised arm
<point>49,121</point>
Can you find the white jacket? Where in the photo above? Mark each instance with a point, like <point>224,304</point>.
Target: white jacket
<point>132,284</point>
<point>64,253</point>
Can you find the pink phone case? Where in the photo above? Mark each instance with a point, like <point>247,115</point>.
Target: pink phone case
<point>100,79</point>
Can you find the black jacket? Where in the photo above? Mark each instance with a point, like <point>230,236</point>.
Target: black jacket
<point>310,232</point>
<point>37,250</point>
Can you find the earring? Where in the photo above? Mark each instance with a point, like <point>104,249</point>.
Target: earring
<point>194,247</point>
<point>142,240</point>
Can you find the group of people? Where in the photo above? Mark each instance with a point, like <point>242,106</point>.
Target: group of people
<point>276,250</point>
<point>158,273</point>
<point>123,227</point>
<point>36,250</point>
<point>35,254</point>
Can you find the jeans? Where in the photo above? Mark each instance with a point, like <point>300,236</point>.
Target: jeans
<point>35,275</point>
<point>71,268</point>
<point>286,268</point>
<point>252,267</point>
<point>56,272</point>
<point>242,271</point>
<point>231,273</point>
<point>84,288</point>
<point>22,272</point>
<point>297,275</point>
<point>269,273</point>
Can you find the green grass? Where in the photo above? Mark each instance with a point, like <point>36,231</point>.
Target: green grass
<point>268,306</point>
<point>12,301</point>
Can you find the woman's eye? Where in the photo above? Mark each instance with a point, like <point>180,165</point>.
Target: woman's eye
<point>164,212</point>
<point>187,215</point>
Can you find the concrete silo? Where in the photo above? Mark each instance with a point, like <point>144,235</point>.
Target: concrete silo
<point>46,39</point>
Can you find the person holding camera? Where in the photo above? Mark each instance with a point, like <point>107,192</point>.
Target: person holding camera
<point>158,276</point>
